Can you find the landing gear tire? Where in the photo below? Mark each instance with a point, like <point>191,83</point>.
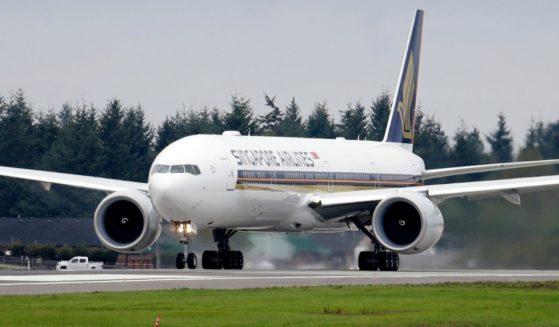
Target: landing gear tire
<point>389,261</point>
<point>211,260</point>
<point>368,260</point>
<point>224,257</point>
<point>191,261</point>
<point>180,261</point>
<point>383,261</point>
<point>233,260</point>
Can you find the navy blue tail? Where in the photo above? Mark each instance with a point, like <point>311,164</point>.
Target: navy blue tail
<point>401,124</point>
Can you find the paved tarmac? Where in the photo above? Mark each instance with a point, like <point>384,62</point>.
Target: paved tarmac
<point>47,282</point>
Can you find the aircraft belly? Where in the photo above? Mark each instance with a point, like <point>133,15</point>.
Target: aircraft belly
<point>246,209</point>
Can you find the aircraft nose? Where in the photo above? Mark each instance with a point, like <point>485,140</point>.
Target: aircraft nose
<point>165,193</point>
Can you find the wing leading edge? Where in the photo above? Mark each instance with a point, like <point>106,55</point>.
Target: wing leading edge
<point>87,182</point>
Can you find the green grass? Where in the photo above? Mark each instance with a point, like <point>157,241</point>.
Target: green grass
<point>480,304</point>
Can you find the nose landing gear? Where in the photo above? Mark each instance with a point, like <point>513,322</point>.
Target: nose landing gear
<point>186,229</point>
<point>190,261</point>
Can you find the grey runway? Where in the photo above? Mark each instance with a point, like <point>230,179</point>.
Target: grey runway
<point>47,282</point>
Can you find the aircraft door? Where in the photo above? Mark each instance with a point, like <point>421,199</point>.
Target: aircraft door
<point>324,166</point>
<point>230,178</point>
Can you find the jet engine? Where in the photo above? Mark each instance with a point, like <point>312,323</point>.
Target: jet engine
<point>407,223</point>
<point>126,221</point>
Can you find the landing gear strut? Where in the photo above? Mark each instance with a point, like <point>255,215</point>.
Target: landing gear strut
<point>379,258</point>
<point>223,257</point>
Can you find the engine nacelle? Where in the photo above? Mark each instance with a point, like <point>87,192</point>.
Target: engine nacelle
<point>407,223</point>
<point>126,221</point>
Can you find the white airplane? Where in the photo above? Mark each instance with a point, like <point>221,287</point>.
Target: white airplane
<point>231,183</point>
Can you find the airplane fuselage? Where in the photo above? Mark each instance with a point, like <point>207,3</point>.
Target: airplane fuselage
<point>262,183</point>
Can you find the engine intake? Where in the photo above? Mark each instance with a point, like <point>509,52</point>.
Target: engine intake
<point>126,221</point>
<point>407,223</point>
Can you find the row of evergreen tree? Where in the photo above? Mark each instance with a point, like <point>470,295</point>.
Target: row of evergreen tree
<point>118,142</point>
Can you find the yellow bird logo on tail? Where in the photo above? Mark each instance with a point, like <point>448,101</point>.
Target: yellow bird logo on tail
<point>404,106</point>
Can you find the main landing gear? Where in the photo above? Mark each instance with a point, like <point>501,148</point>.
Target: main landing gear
<point>224,257</point>
<point>379,258</point>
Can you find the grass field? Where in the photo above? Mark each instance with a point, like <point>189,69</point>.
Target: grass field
<point>516,304</point>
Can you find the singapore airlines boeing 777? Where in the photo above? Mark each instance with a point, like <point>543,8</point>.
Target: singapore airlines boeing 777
<point>231,183</point>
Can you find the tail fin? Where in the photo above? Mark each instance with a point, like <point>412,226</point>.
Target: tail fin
<point>401,124</point>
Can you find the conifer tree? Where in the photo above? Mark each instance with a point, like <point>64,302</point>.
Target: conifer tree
<point>76,148</point>
<point>292,122</point>
<point>269,123</point>
<point>17,133</point>
<point>353,123</point>
<point>45,130</point>
<point>380,111</point>
<point>114,155</point>
<point>468,147</point>
<point>430,142</point>
<point>139,136</point>
<point>500,140</point>
<point>319,123</point>
<point>241,116</point>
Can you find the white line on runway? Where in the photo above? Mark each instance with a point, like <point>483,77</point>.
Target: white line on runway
<point>131,278</point>
<point>183,278</point>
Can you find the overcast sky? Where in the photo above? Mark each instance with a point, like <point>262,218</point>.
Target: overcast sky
<point>478,57</point>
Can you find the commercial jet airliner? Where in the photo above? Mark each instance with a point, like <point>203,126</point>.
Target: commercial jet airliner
<point>231,183</point>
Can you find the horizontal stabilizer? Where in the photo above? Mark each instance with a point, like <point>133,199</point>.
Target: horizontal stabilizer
<point>464,170</point>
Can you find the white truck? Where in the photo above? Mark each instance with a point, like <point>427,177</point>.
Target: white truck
<point>79,263</point>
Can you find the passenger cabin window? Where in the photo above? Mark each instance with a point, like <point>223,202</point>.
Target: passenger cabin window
<point>74,261</point>
<point>82,260</point>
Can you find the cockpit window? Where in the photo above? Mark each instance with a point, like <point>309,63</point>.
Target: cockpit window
<point>153,169</point>
<point>189,169</point>
<point>192,169</point>
<point>163,169</point>
<point>177,169</point>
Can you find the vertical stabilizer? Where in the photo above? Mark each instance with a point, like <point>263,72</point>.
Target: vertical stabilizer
<point>401,124</point>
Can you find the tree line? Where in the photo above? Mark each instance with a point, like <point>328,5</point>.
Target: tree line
<point>118,142</point>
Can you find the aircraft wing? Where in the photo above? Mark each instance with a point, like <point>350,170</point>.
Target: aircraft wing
<point>453,171</point>
<point>337,204</point>
<point>46,178</point>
